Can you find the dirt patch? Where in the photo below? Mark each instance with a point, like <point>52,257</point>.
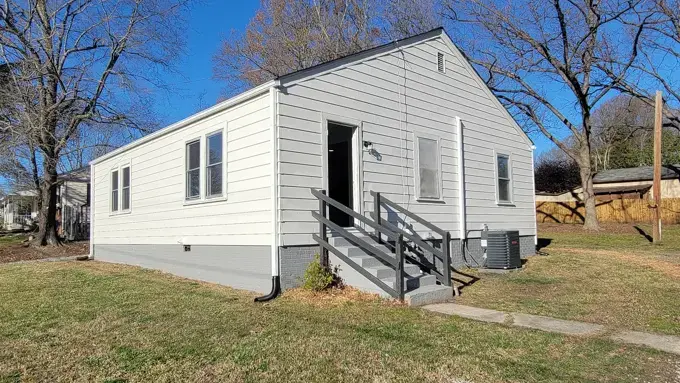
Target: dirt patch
<point>668,268</point>
<point>334,297</point>
<point>14,252</point>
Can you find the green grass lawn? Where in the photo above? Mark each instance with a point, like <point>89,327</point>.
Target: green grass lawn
<point>619,280</point>
<point>11,240</point>
<point>90,321</point>
<point>624,238</point>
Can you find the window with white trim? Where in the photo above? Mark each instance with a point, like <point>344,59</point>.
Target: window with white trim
<point>193,170</point>
<point>114,191</point>
<point>503,178</point>
<point>428,168</point>
<point>125,196</point>
<point>213,165</point>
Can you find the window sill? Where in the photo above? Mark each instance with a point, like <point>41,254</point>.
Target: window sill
<point>202,201</point>
<point>430,200</point>
<point>122,212</point>
<point>506,204</point>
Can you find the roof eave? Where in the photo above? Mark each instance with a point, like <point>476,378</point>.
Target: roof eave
<point>247,95</point>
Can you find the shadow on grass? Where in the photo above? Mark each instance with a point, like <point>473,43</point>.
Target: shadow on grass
<point>644,234</point>
<point>543,243</point>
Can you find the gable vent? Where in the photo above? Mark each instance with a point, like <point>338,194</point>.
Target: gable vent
<point>441,62</point>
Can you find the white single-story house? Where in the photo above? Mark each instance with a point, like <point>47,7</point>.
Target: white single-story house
<point>19,210</point>
<point>232,194</point>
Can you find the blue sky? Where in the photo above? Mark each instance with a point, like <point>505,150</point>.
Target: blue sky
<point>193,87</point>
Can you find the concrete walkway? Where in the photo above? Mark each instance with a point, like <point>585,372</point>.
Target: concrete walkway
<point>667,343</point>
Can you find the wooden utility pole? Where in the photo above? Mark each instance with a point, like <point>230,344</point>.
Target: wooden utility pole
<point>656,188</point>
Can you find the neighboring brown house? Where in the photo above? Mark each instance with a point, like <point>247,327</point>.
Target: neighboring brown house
<point>628,183</point>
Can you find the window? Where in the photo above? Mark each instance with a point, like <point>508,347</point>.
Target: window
<point>441,62</point>
<point>214,165</point>
<point>193,155</point>
<point>125,204</point>
<point>114,190</point>
<point>504,180</point>
<point>428,178</point>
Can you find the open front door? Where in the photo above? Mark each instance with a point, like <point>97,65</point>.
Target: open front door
<point>341,171</point>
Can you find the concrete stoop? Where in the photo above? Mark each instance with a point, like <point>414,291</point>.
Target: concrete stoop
<point>421,288</point>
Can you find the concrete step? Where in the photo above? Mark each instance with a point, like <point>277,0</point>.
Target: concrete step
<point>412,283</point>
<point>338,241</point>
<point>428,295</point>
<point>384,271</point>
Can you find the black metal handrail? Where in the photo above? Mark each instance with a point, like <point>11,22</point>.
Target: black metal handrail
<point>397,263</point>
<point>444,276</point>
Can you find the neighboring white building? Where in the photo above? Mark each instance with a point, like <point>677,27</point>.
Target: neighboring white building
<point>19,210</point>
<point>226,195</point>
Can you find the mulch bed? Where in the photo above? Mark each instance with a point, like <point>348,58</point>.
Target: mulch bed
<point>15,252</point>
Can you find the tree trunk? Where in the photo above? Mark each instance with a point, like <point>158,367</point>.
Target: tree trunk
<point>590,221</point>
<point>47,216</point>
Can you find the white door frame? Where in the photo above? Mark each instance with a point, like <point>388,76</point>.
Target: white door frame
<point>357,157</point>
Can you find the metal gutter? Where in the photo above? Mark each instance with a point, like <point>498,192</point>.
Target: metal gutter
<point>462,226</point>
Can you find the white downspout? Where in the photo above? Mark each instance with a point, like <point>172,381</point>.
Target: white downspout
<point>91,211</point>
<point>462,226</point>
<point>276,279</point>
<point>274,93</point>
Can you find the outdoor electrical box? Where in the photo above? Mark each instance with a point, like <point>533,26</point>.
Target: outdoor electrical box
<point>502,251</point>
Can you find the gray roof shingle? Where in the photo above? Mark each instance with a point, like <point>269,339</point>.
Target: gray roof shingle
<point>642,173</point>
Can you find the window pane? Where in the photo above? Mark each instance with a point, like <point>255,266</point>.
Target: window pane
<point>126,177</point>
<point>215,149</point>
<point>114,200</point>
<point>503,167</point>
<point>214,180</point>
<point>504,190</point>
<point>429,181</point>
<point>193,183</point>
<point>114,180</point>
<point>427,153</point>
<point>428,168</point>
<point>193,155</point>
<point>126,198</point>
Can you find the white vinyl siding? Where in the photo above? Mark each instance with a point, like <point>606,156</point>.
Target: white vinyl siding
<point>394,99</point>
<point>114,191</point>
<point>162,215</point>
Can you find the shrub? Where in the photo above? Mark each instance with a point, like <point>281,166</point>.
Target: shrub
<point>317,277</point>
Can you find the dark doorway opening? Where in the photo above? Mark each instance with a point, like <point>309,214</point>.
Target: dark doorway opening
<point>340,174</point>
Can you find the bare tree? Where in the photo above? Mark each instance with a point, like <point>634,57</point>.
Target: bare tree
<point>290,35</point>
<point>659,59</point>
<point>404,18</point>
<point>75,64</point>
<point>551,63</point>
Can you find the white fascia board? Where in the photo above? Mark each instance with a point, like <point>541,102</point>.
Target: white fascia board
<point>258,90</point>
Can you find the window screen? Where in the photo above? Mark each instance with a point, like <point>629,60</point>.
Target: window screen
<point>503,172</point>
<point>193,156</point>
<point>214,165</point>
<point>114,190</point>
<point>428,168</point>
<point>126,189</point>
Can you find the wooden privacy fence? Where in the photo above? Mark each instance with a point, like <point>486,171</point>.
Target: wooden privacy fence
<point>620,211</point>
